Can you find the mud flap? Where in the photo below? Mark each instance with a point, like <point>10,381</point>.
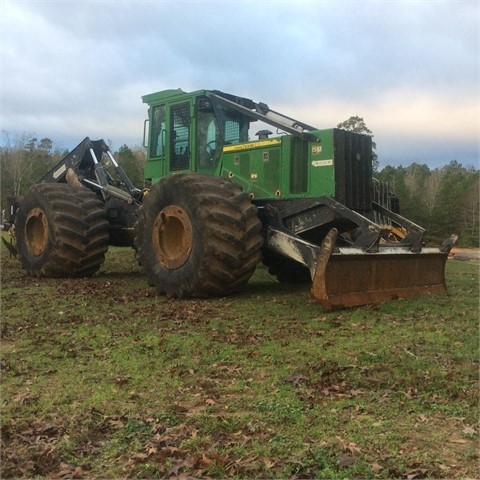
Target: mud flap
<point>350,277</point>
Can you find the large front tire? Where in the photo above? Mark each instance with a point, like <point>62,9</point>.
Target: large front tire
<point>61,231</point>
<point>198,236</point>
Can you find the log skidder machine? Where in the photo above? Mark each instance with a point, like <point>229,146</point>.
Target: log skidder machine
<point>220,201</point>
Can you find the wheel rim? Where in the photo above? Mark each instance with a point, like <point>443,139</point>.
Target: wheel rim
<point>36,232</point>
<point>172,237</point>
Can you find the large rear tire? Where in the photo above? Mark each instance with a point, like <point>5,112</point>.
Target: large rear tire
<point>61,231</point>
<point>198,236</point>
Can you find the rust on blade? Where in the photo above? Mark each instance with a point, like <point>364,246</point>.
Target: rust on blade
<point>347,280</point>
<point>319,285</point>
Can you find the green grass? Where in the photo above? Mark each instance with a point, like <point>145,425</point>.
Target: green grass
<point>103,378</point>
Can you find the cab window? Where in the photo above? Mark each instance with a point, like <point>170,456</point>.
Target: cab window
<point>157,143</point>
<point>208,139</point>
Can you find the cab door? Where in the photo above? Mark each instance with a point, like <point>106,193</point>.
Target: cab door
<point>156,167</point>
<point>169,143</point>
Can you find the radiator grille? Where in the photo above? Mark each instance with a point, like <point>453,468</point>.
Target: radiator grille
<point>299,166</point>
<point>353,169</point>
<point>245,165</point>
<point>271,169</point>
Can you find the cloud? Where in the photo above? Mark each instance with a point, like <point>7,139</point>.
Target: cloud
<point>71,69</point>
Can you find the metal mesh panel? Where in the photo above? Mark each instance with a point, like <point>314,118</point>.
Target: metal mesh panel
<point>271,168</point>
<point>232,132</point>
<point>180,152</point>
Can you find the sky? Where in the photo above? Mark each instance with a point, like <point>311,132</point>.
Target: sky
<point>410,69</point>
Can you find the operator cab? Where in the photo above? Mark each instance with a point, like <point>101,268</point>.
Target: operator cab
<point>181,140</point>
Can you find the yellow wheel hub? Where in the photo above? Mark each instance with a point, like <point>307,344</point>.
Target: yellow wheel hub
<point>172,237</point>
<point>36,232</point>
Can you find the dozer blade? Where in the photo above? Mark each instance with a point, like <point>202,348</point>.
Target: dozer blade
<point>351,277</point>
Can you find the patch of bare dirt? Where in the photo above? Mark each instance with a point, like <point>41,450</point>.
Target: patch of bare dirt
<point>458,253</point>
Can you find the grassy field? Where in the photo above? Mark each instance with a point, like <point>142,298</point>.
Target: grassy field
<point>101,378</point>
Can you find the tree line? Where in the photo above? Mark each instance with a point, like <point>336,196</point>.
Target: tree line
<point>443,200</point>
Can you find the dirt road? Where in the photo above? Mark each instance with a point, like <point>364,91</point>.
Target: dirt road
<point>465,253</point>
